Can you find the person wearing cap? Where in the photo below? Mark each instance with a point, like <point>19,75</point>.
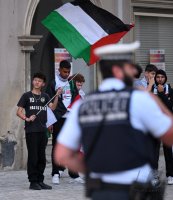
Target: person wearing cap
<point>164,92</point>
<point>116,132</point>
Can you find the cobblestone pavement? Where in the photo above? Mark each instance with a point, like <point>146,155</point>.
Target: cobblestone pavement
<point>14,186</point>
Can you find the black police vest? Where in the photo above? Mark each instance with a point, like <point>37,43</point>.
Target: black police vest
<point>119,146</point>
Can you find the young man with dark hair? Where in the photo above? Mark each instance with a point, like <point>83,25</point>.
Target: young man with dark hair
<point>164,92</point>
<point>148,81</point>
<point>61,82</point>
<point>35,127</point>
<point>64,100</point>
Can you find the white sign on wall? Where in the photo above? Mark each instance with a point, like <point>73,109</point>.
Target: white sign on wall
<point>61,54</point>
<point>157,58</point>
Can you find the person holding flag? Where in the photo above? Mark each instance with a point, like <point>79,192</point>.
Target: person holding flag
<point>33,102</point>
<point>61,112</point>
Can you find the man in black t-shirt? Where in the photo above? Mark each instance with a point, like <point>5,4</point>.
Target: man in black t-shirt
<point>35,127</point>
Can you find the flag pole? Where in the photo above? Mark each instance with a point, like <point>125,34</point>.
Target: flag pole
<point>56,94</point>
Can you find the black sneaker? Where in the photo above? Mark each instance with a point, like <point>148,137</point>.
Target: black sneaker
<point>34,186</point>
<point>44,186</point>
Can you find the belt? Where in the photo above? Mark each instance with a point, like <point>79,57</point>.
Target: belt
<point>115,186</point>
<point>97,184</point>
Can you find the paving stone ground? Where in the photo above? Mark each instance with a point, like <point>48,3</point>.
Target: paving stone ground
<point>14,186</point>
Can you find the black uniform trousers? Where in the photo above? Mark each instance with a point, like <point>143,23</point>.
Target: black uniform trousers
<point>110,195</point>
<point>36,144</point>
<point>55,167</point>
<point>168,154</point>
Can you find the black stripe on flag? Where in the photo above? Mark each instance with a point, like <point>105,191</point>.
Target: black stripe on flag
<point>109,23</point>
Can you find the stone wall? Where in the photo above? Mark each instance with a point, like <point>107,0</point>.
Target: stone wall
<point>12,69</point>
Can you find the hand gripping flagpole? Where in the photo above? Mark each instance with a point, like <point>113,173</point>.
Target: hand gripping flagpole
<point>56,94</point>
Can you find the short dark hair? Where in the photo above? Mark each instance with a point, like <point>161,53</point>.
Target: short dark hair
<point>77,77</point>
<point>106,67</point>
<point>65,64</point>
<point>151,68</point>
<point>40,75</point>
<point>139,70</point>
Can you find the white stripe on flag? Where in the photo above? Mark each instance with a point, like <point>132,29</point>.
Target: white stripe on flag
<point>82,22</point>
<point>51,119</point>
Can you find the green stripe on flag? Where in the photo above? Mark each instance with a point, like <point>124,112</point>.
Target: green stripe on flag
<point>68,36</point>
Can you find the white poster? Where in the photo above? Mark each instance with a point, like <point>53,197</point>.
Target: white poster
<point>61,54</point>
<point>157,58</point>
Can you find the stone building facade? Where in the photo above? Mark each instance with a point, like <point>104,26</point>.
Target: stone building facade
<point>26,47</point>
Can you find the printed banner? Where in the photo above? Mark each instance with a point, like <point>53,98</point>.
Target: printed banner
<point>157,58</point>
<point>61,54</point>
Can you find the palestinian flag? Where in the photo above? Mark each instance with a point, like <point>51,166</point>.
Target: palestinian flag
<point>80,27</point>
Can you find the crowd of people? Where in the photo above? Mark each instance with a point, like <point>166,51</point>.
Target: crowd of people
<point>66,90</point>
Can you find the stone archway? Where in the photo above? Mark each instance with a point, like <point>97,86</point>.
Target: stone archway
<point>29,38</point>
<point>27,41</point>
<point>31,8</point>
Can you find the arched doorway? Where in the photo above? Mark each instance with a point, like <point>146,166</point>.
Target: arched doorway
<point>42,59</point>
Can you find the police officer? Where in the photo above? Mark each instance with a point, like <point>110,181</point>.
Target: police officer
<point>115,129</point>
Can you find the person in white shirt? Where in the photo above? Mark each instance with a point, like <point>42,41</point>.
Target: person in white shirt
<point>121,152</point>
<point>60,83</point>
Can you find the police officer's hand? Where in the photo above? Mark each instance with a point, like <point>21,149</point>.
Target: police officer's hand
<point>160,88</point>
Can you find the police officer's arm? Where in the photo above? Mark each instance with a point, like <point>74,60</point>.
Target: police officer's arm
<point>167,138</point>
<point>70,158</point>
<point>69,142</point>
<point>153,116</point>
<point>161,105</point>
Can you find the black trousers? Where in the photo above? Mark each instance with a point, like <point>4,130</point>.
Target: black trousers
<point>168,160</point>
<point>168,154</point>
<point>55,167</point>
<point>36,144</point>
<point>156,154</point>
<point>110,195</point>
